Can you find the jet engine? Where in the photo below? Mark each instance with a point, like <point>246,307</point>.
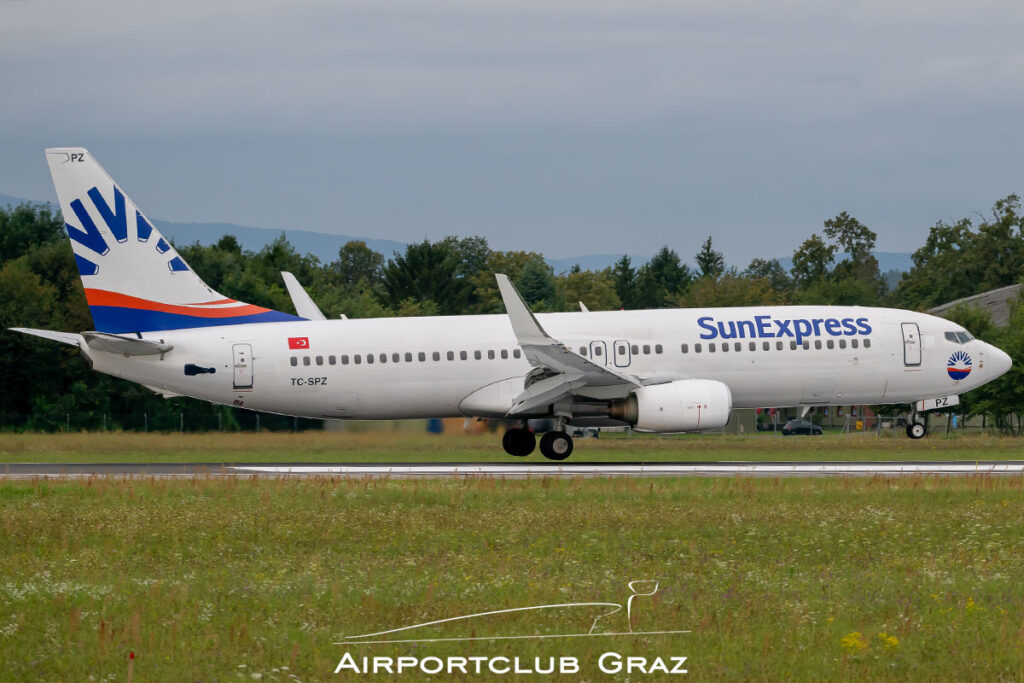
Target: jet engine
<point>686,405</point>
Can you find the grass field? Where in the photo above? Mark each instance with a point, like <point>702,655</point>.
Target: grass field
<point>238,579</point>
<point>316,446</point>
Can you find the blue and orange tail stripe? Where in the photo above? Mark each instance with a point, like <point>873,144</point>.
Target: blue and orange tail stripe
<point>119,313</point>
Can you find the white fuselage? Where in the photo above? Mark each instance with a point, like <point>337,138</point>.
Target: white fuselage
<point>426,367</point>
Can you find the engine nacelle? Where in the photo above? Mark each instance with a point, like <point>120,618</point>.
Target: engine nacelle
<point>686,405</point>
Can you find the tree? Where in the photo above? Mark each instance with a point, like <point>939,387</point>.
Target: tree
<point>536,284</point>
<point>812,261</point>
<point>25,227</point>
<point>771,271</point>
<point>731,289</point>
<point>662,279</point>
<point>356,264</point>
<point>710,263</point>
<point>625,279</point>
<point>426,272</point>
<point>595,290</point>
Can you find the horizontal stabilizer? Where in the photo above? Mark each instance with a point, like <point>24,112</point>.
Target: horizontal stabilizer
<point>126,346</point>
<point>304,305</point>
<point>63,337</point>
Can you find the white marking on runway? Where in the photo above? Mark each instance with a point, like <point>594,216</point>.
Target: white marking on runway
<point>648,470</point>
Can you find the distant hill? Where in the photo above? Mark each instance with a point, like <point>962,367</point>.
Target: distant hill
<point>325,246</point>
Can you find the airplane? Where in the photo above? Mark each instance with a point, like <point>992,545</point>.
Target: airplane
<point>664,371</point>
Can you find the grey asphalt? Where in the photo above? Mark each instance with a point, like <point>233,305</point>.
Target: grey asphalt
<point>515,469</point>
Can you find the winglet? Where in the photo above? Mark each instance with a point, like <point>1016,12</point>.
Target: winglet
<point>524,325</point>
<point>304,305</point>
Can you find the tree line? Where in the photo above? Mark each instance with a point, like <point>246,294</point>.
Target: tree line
<point>49,388</point>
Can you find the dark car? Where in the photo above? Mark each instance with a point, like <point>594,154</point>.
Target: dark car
<point>801,427</point>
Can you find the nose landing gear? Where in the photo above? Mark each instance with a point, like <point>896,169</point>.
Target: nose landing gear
<point>916,430</point>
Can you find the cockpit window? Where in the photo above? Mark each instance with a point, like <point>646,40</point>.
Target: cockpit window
<point>964,337</point>
<point>951,336</point>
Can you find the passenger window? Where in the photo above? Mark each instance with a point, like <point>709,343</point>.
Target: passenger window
<point>319,360</point>
<point>369,359</point>
<point>711,347</point>
<point>478,355</point>
<point>778,346</point>
<point>436,355</point>
<point>657,348</point>
<point>516,353</point>
<point>635,349</point>
<point>867,343</point>
<point>842,343</point>
<point>421,356</point>
<point>752,346</point>
<point>463,355</point>
<point>830,344</point>
<point>685,348</point>
<point>396,357</point>
<point>358,359</point>
<point>305,360</point>
<point>766,346</point>
<point>854,343</point>
<point>696,348</point>
<point>408,357</point>
<point>332,360</point>
<point>597,350</point>
<point>490,354</point>
<point>792,346</point>
<point>451,355</point>
<point>725,347</point>
<point>383,358</point>
<point>817,344</point>
<point>583,350</point>
<point>647,349</point>
<point>295,361</point>
<point>807,345</point>
<point>622,350</point>
<point>737,347</point>
<point>344,359</point>
<point>504,354</point>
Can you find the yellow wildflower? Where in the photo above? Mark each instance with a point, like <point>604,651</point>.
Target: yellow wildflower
<point>853,643</point>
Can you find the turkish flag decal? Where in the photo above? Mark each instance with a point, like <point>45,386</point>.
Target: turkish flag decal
<point>298,342</point>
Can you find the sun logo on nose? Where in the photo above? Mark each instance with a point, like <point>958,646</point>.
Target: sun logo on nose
<point>959,365</point>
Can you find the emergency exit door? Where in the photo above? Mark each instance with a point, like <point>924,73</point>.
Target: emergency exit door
<point>911,344</point>
<point>243,365</point>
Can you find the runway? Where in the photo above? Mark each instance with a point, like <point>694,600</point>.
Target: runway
<point>514,470</point>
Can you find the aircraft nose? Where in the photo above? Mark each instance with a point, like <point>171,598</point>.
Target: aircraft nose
<point>999,362</point>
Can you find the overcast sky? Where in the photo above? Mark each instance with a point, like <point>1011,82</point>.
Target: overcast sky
<point>567,127</point>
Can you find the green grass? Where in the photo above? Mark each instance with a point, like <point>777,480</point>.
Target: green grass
<point>421,447</point>
<point>220,579</point>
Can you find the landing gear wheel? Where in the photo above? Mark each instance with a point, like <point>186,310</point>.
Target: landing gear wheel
<point>916,430</point>
<point>519,442</point>
<point>556,445</point>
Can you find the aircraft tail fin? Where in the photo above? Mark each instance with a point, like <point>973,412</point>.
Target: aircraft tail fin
<point>134,279</point>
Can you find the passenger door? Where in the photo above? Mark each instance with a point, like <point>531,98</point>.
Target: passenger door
<point>911,344</point>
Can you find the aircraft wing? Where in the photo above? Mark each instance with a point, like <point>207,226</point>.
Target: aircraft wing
<point>567,372</point>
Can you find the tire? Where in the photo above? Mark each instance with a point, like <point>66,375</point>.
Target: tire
<point>518,442</point>
<point>556,445</point>
<point>916,430</point>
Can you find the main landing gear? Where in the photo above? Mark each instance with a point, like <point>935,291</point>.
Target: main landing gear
<point>519,441</point>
